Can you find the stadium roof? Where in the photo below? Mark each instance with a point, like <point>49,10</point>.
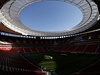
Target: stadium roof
<point>10,10</point>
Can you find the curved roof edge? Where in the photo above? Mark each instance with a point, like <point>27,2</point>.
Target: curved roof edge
<point>10,17</point>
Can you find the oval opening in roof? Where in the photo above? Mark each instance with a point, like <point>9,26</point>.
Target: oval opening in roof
<point>51,16</point>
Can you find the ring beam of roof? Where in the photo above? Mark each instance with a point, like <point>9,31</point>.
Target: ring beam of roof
<point>11,10</point>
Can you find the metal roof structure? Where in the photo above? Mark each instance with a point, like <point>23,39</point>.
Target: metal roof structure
<point>9,16</point>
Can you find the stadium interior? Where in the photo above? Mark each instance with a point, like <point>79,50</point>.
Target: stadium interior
<point>65,53</point>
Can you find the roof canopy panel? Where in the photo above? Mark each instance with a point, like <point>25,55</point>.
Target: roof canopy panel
<point>11,10</point>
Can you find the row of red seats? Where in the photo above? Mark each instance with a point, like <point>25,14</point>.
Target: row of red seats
<point>34,49</point>
<point>11,63</point>
<point>80,48</point>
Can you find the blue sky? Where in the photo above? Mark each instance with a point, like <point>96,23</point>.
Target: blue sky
<point>51,16</point>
